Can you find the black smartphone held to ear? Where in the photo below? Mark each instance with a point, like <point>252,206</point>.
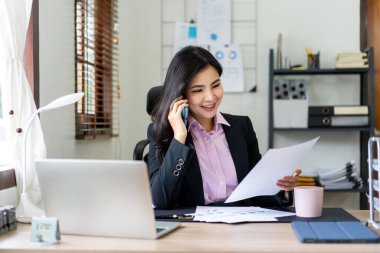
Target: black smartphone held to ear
<point>185,115</point>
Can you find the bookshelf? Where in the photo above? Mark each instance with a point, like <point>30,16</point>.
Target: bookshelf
<point>366,98</point>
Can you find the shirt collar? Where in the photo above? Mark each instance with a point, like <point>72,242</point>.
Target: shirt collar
<point>219,120</point>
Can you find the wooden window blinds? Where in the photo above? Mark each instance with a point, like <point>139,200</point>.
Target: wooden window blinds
<point>96,42</point>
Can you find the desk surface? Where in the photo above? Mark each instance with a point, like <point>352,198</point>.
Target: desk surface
<point>191,237</point>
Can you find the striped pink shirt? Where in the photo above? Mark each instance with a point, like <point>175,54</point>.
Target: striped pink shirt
<point>215,160</point>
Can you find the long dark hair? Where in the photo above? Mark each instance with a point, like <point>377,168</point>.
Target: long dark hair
<point>186,64</point>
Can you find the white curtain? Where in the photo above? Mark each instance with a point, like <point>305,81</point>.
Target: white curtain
<point>16,94</point>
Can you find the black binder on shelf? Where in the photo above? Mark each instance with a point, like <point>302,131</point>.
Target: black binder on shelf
<point>337,121</point>
<point>339,110</point>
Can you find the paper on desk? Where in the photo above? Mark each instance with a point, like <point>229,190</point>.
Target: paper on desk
<point>275,164</point>
<point>237,214</point>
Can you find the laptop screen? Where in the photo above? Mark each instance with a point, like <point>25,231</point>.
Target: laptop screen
<point>98,197</point>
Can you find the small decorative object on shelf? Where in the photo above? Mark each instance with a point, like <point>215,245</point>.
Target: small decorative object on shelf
<point>313,61</point>
<point>373,166</point>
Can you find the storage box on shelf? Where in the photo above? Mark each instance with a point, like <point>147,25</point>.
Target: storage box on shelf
<point>290,103</point>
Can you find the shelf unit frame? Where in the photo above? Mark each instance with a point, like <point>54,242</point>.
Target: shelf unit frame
<point>366,98</point>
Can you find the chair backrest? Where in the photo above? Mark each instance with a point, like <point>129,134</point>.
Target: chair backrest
<point>8,187</point>
<point>152,98</point>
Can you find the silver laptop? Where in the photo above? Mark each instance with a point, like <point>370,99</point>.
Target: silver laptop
<point>100,198</point>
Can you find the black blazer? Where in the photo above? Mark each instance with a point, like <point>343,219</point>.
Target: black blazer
<point>177,181</point>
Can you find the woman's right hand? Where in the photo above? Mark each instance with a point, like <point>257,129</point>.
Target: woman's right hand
<point>175,119</point>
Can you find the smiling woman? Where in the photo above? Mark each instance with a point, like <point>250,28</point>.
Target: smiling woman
<point>202,163</point>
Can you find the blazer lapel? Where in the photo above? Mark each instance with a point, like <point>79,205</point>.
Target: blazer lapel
<point>236,143</point>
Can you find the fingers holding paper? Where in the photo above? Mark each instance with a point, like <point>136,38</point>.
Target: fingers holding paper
<point>288,183</point>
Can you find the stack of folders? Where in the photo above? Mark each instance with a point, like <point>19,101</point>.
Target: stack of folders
<point>341,178</point>
<point>7,218</point>
<point>351,60</point>
<point>307,181</point>
<point>338,116</point>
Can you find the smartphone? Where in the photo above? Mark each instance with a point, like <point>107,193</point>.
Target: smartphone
<point>185,115</point>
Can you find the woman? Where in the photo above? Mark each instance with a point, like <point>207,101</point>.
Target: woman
<point>202,163</point>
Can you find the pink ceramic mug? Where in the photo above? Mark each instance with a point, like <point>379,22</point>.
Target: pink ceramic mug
<point>308,201</point>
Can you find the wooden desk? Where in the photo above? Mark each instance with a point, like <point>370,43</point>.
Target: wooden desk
<point>191,237</point>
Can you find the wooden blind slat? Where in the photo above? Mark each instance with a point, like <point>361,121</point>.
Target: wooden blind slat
<point>96,68</point>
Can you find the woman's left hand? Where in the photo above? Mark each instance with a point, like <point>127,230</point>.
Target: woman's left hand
<point>288,183</point>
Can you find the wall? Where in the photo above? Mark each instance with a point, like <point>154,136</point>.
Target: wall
<point>243,32</point>
<point>327,25</point>
<point>139,57</point>
<point>315,24</point>
<point>140,61</point>
<point>57,75</point>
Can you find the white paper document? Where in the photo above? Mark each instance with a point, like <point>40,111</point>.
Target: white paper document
<point>230,57</point>
<point>214,22</point>
<point>237,214</point>
<point>274,165</point>
<point>185,35</point>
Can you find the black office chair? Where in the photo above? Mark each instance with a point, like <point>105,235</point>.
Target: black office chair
<point>151,100</point>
